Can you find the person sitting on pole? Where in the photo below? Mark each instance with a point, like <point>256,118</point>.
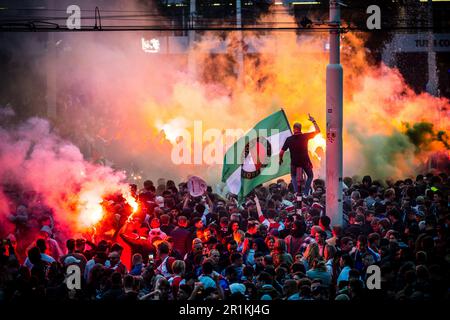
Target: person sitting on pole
<point>298,147</point>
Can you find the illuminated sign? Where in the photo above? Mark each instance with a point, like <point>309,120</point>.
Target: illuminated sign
<point>150,46</point>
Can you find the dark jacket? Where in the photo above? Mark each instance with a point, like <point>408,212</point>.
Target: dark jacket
<point>182,239</point>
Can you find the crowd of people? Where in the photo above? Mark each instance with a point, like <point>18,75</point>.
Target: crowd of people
<point>269,247</point>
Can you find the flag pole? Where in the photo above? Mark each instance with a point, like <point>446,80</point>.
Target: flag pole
<point>287,120</point>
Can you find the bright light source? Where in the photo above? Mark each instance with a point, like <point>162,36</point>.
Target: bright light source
<point>150,46</point>
<point>304,2</point>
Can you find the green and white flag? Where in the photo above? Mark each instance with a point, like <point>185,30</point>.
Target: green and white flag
<point>254,158</point>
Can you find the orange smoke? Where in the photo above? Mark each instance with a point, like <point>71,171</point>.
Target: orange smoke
<point>143,98</point>
<point>289,73</point>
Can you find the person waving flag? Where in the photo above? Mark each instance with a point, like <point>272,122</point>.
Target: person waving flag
<point>254,158</point>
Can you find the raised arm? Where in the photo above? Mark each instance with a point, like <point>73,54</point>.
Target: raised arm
<point>187,197</point>
<point>209,201</point>
<point>316,127</point>
<point>258,207</point>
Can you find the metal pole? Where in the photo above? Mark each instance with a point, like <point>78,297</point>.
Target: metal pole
<point>432,84</point>
<point>334,113</point>
<point>51,91</point>
<point>51,56</point>
<point>240,53</point>
<point>191,38</point>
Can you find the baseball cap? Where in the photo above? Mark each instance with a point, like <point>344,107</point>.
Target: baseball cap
<point>71,260</point>
<point>237,288</point>
<point>46,229</point>
<point>207,282</point>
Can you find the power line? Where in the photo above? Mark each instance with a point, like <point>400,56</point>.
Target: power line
<point>32,26</point>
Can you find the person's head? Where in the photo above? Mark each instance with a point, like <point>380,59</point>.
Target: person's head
<point>163,248</point>
<point>239,236</point>
<point>263,279</point>
<point>392,235</point>
<point>373,240</point>
<point>355,196</point>
<point>182,221</point>
<point>393,215</point>
<point>148,185</point>
<point>346,261</point>
<point>298,228</point>
<point>232,246</point>
<point>280,246</point>
<point>290,288</point>
<point>45,232</point>
<point>223,222</point>
<point>259,258</point>
<point>298,267</point>
<point>234,226</point>
<point>207,234</point>
<point>80,244</point>
<point>370,215</point>
<point>298,258</point>
<point>155,223</point>
<point>270,242</point>
<point>179,267</point>
<point>40,243</point>
<point>324,222</point>
<point>319,264</point>
<point>114,258</point>
<point>297,127</point>
<point>164,219</point>
<point>368,259</point>
<point>361,243</point>
<point>116,279</point>
<point>330,252</point>
<point>367,181</point>
<point>136,259</point>
<point>389,194</point>
<point>337,231</point>
<point>231,274</point>
<point>268,260</point>
<point>236,259</point>
<point>198,223</point>
<point>355,288</point>
<point>197,246</point>
<point>117,248</point>
<point>314,230</point>
<point>262,228</point>
<point>311,252</point>
<point>34,255</point>
<point>184,292</point>
<point>346,244</point>
<point>305,291</point>
<point>252,227</point>
<point>128,282</point>
<point>421,257</point>
<point>248,272</point>
<point>70,245</point>
<point>214,256</point>
<point>321,236</point>
<point>360,219</point>
<point>163,286</point>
